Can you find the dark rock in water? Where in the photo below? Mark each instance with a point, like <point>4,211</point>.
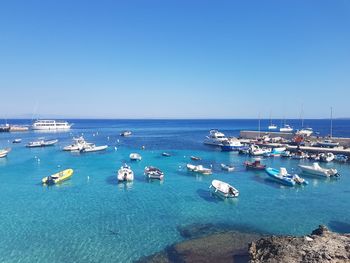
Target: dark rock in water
<point>320,247</point>
<point>229,246</point>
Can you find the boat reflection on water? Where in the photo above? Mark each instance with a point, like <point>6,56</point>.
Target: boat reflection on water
<point>125,186</point>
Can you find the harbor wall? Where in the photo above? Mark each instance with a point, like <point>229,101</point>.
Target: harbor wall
<point>343,141</point>
<point>255,134</point>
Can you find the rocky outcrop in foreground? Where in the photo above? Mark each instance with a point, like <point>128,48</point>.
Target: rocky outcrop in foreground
<point>320,247</point>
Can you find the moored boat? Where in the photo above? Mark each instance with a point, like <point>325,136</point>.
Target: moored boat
<point>4,152</point>
<point>255,150</point>
<point>199,169</point>
<point>93,148</point>
<point>306,132</point>
<point>341,158</point>
<point>125,174</point>
<point>165,154</point>
<point>272,127</point>
<point>126,133</point>
<point>256,165</point>
<point>51,125</point>
<point>227,167</point>
<point>286,128</point>
<point>17,140</point>
<point>195,158</point>
<point>215,138</point>
<point>41,143</point>
<point>316,169</point>
<point>231,144</point>
<point>153,173</point>
<point>282,176</point>
<point>78,145</point>
<point>224,189</point>
<point>58,177</point>
<point>327,144</point>
<point>326,157</point>
<point>135,157</point>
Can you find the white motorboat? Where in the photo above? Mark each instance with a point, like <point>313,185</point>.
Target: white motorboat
<point>125,174</point>
<point>326,157</point>
<point>286,128</point>
<point>316,169</point>
<point>78,145</point>
<point>231,144</point>
<point>255,150</point>
<point>126,133</point>
<point>327,144</point>
<point>135,157</point>
<point>215,138</point>
<point>224,189</point>
<point>51,125</point>
<point>229,168</point>
<point>90,147</point>
<point>305,132</point>
<point>41,143</point>
<point>153,173</point>
<point>199,169</point>
<point>17,140</point>
<point>272,127</point>
<point>4,152</point>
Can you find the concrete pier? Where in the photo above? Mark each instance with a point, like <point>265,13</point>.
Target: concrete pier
<point>344,143</point>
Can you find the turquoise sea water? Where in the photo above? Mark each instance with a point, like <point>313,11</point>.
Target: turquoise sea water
<point>92,218</point>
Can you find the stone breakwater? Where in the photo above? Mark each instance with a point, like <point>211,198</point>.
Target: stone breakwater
<point>231,246</point>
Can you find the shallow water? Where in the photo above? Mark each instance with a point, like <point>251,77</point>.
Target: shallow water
<point>92,218</point>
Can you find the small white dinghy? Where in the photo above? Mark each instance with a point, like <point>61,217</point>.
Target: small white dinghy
<point>125,174</point>
<point>224,189</point>
<point>4,152</point>
<point>199,169</point>
<point>316,169</point>
<point>153,173</point>
<point>327,157</point>
<point>135,157</point>
<point>229,168</point>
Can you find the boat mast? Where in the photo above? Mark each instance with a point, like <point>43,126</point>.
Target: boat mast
<point>259,124</point>
<point>302,116</point>
<point>331,122</point>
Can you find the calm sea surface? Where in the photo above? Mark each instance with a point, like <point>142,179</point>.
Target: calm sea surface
<point>92,218</point>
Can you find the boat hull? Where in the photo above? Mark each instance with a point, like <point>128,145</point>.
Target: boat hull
<point>273,174</point>
<point>61,177</point>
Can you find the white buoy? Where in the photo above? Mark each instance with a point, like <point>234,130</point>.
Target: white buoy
<point>88,178</point>
<point>115,148</point>
<point>118,140</point>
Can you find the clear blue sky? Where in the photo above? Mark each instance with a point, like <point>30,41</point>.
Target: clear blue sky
<point>174,59</point>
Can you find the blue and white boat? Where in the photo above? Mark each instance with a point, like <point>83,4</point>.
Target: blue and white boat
<point>341,158</point>
<point>231,144</point>
<point>282,176</point>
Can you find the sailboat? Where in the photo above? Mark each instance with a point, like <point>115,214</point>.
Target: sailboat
<point>286,127</point>
<point>329,143</point>
<point>304,131</point>
<point>272,126</point>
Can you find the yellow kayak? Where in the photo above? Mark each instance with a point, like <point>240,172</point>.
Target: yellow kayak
<point>58,177</point>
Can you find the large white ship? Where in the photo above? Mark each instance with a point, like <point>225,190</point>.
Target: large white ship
<point>51,125</point>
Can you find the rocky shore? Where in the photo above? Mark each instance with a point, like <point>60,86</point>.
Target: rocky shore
<point>231,246</point>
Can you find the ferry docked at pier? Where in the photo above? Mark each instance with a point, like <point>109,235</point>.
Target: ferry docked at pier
<point>51,125</point>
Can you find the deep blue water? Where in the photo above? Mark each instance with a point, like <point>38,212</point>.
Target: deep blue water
<point>91,218</point>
